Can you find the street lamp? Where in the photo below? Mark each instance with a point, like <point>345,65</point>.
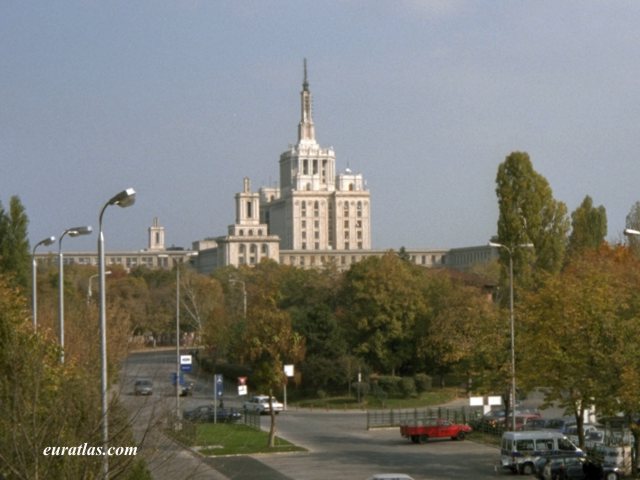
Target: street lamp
<point>89,289</point>
<point>513,334</point>
<point>631,231</point>
<point>34,270</point>
<point>72,232</point>
<point>244,295</point>
<point>123,199</point>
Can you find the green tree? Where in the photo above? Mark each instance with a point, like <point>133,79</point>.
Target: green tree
<point>268,339</point>
<point>588,227</point>
<point>529,213</point>
<point>14,242</point>
<point>579,332</point>
<point>451,332</point>
<point>310,297</point>
<point>379,304</point>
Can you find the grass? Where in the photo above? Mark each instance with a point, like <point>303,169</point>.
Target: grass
<point>231,439</point>
<point>426,399</point>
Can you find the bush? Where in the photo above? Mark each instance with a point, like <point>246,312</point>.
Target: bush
<point>423,382</point>
<point>408,387</point>
<point>390,385</point>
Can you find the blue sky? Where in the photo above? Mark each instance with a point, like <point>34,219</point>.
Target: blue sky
<point>182,99</point>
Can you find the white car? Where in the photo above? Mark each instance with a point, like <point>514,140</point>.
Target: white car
<point>260,404</point>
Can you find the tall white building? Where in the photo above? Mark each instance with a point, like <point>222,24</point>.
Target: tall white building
<point>314,208</point>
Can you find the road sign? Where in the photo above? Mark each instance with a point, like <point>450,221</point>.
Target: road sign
<point>185,363</point>
<point>173,378</point>
<point>218,385</point>
<point>242,386</point>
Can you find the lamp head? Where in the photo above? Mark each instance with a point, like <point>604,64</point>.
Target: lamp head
<point>85,230</point>
<point>47,241</point>
<point>124,199</point>
<point>631,231</point>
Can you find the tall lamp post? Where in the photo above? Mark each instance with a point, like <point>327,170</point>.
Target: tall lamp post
<point>178,425</point>
<point>34,272</point>
<point>123,199</point>
<point>72,232</point>
<point>512,323</point>
<point>244,295</point>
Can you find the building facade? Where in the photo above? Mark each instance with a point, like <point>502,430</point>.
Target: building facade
<point>314,208</point>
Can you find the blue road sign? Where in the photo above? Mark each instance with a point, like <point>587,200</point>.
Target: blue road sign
<point>218,386</point>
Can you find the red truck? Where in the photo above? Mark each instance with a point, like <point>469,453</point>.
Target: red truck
<point>422,430</point>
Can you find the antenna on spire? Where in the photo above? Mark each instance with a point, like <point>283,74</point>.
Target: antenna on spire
<point>305,84</point>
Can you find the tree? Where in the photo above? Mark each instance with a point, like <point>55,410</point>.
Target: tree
<point>14,243</point>
<point>201,300</point>
<point>310,297</point>
<point>452,331</point>
<point>268,339</point>
<point>529,213</point>
<point>589,227</point>
<point>379,304</point>
<point>579,333</point>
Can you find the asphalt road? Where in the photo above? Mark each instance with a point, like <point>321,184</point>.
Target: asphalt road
<point>338,444</point>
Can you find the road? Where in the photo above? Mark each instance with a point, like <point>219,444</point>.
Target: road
<point>338,444</point>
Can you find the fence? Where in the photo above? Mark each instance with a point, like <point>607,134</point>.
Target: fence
<point>394,418</point>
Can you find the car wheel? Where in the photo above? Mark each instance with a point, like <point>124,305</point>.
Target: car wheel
<point>415,439</point>
<point>460,436</point>
<point>527,469</point>
<point>611,476</point>
<point>424,438</point>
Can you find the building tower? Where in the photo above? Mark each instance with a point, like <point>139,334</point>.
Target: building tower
<point>248,241</point>
<point>156,236</point>
<point>313,208</point>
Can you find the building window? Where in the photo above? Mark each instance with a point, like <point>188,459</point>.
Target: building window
<point>359,209</point>
<point>249,210</point>
<point>346,224</point>
<point>317,245</point>
<point>316,209</point>
<point>303,209</point>
<point>265,249</point>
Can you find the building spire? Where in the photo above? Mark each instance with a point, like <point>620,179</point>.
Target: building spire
<point>306,130</point>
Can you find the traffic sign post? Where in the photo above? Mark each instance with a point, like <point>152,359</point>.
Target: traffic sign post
<point>218,390</point>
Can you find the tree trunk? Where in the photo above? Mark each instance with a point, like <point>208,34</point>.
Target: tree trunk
<point>272,428</point>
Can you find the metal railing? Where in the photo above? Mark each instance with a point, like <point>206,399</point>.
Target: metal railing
<point>395,418</point>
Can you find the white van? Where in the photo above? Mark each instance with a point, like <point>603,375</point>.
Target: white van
<point>520,450</point>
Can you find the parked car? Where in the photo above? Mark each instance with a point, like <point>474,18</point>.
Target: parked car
<point>570,467</point>
<point>421,431</point>
<point>260,404</point>
<point>143,386</point>
<point>208,413</point>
